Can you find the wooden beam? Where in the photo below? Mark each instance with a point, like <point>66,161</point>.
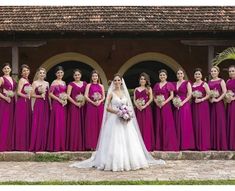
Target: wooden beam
<point>33,44</point>
<point>208,42</point>
<point>15,61</point>
<point>211,51</point>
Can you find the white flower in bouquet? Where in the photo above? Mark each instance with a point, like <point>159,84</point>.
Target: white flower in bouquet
<point>64,98</point>
<point>9,93</point>
<point>214,93</point>
<point>197,94</point>
<point>229,95</point>
<point>80,99</point>
<point>140,102</point>
<point>42,90</point>
<point>160,99</point>
<point>177,101</point>
<point>96,96</point>
<point>28,90</point>
<point>125,113</point>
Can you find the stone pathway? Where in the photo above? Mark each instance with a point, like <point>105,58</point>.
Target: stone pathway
<point>172,170</point>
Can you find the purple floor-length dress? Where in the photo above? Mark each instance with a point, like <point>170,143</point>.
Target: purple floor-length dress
<point>76,121</point>
<point>23,120</point>
<point>218,120</point>
<point>183,120</point>
<point>40,123</point>
<point>94,116</point>
<point>145,120</point>
<point>231,116</point>
<point>201,120</point>
<point>165,131</point>
<point>7,111</point>
<point>57,125</point>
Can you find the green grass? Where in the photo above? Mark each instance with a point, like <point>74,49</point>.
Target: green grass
<point>50,158</point>
<point>182,182</point>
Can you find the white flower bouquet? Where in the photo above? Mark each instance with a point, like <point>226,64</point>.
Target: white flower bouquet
<point>140,102</point>
<point>229,95</point>
<point>177,101</point>
<point>160,99</point>
<point>125,113</point>
<point>214,93</point>
<point>64,98</point>
<point>197,94</point>
<point>80,99</point>
<point>96,96</point>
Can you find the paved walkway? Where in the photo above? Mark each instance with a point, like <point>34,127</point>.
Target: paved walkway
<point>172,170</point>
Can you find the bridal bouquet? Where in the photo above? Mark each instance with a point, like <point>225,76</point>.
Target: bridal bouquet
<point>9,93</point>
<point>214,93</point>
<point>140,102</point>
<point>28,90</point>
<point>229,95</point>
<point>177,101</point>
<point>125,113</point>
<point>196,94</point>
<point>64,98</point>
<point>42,90</point>
<point>80,99</point>
<point>96,96</point>
<point>160,99</point>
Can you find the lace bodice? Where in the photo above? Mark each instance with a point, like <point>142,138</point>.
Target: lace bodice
<point>117,101</point>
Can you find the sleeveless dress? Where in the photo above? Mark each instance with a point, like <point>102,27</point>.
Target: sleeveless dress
<point>183,120</point>
<point>76,121</point>
<point>93,118</point>
<point>57,125</point>
<point>201,120</point>
<point>231,116</point>
<point>145,120</point>
<point>7,113</point>
<point>218,120</point>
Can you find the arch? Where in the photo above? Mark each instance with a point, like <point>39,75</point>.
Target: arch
<point>73,56</point>
<point>151,56</point>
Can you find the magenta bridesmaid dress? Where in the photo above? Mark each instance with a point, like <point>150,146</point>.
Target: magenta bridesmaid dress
<point>231,116</point>
<point>57,125</point>
<point>94,115</point>
<point>183,120</point>
<point>76,121</point>
<point>145,120</point>
<point>40,123</point>
<point>201,120</point>
<point>23,120</point>
<point>218,120</point>
<point>7,111</point>
<point>165,131</point>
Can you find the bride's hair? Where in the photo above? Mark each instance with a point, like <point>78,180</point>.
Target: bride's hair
<point>117,74</point>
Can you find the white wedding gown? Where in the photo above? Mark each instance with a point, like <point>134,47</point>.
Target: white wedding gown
<point>120,146</point>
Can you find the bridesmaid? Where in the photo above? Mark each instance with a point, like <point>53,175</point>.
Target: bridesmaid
<point>7,105</point>
<point>41,108</point>
<point>165,132</point>
<point>23,112</point>
<point>183,114</point>
<point>218,119</point>
<point>57,125</point>
<point>76,113</point>
<point>231,108</point>
<point>200,111</point>
<point>95,96</point>
<point>143,96</point>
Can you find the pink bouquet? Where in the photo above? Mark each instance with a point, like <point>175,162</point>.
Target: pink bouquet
<point>125,113</point>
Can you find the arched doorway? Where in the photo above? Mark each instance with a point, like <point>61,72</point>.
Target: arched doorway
<point>70,61</point>
<point>150,63</point>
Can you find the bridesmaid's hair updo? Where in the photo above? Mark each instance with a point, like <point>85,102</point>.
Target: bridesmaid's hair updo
<point>147,79</point>
<point>77,70</point>
<point>24,66</point>
<point>6,64</point>
<point>179,69</point>
<point>95,72</point>
<point>197,70</point>
<point>162,71</point>
<point>217,68</point>
<point>58,68</point>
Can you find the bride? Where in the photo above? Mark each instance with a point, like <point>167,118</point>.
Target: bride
<point>120,146</point>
